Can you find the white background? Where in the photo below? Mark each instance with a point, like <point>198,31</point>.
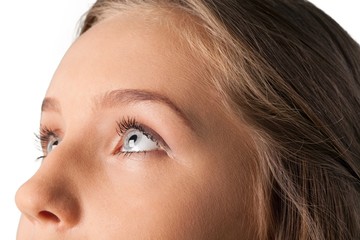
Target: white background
<point>34,35</point>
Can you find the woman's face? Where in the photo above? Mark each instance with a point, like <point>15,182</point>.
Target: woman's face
<point>136,145</point>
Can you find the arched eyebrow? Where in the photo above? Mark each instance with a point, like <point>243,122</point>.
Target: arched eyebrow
<point>126,96</point>
<point>50,105</point>
<point>123,96</point>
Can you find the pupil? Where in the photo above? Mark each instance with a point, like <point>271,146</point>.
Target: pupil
<point>132,140</point>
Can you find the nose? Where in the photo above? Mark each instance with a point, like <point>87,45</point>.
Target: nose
<point>49,198</point>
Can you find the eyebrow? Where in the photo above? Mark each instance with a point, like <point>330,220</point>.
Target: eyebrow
<point>127,96</point>
<point>122,96</point>
<point>50,105</point>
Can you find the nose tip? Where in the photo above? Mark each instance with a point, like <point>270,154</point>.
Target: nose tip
<point>48,203</point>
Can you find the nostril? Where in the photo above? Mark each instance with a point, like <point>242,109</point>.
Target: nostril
<point>48,216</point>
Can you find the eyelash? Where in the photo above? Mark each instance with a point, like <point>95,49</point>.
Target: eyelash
<point>43,139</point>
<point>123,126</point>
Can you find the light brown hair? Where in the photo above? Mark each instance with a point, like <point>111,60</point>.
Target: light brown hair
<point>293,74</point>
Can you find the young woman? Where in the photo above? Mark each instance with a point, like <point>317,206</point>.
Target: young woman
<point>200,119</point>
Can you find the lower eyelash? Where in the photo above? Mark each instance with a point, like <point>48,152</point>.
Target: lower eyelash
<point>128,154</point>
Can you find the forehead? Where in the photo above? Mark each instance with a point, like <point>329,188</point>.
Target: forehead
<point>121,44</point>
<point>131,48</point>
<point>128,52</point>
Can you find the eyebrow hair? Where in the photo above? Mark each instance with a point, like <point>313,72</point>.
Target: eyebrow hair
<point>50,105</point>
<point>122,96</point>
<point>126,96</point>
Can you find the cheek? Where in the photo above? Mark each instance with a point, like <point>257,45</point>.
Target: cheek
<point>158,201</point>
<point>227,177</point>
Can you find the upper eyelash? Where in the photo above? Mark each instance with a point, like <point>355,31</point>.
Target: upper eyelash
<point>127,123</point>
<point>130,123</point>
<point>44,137</point>
<point>122,127</point>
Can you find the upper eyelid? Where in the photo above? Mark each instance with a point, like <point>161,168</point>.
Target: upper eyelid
<point>155,135</point>
<point>47,132</point>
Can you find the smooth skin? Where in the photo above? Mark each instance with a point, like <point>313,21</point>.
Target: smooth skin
<point>197,182</point>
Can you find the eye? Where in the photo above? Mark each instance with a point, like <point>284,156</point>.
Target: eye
<point>48,139</point>
<point>52,143</point>
<point>138,138</point>
<point>135,140</point>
